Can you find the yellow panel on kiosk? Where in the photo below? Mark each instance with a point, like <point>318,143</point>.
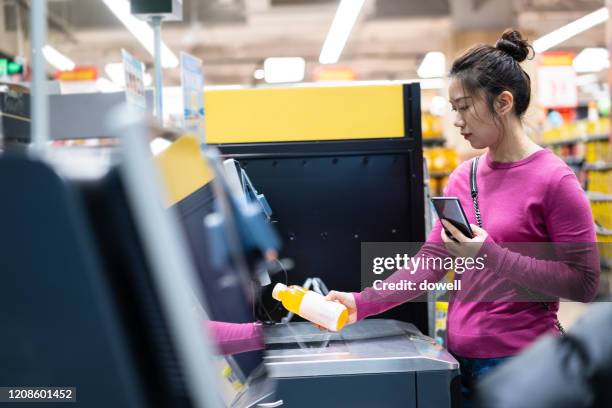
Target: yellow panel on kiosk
<point>183,168</point>
<point>304,114</point>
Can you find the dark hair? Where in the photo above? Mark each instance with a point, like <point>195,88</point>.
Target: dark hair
<point>497,69</point>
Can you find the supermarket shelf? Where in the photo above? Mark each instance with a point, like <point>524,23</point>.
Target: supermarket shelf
<point>595,196</point>
<point>597,138</point>
<point>562,142</point>
<point>573,161</point>
<point>439,174</point>
<point>603,231</point>
<point>438,141</point>
<point>598,166</point>
<point>584,139</point>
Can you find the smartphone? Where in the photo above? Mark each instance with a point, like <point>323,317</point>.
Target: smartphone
<point>450,209</point>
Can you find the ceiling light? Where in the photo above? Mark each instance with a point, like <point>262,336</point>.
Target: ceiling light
<point>568,31</point>
<point>591,60</point>
<point>341,27</point>
<point>279,70</point>
<point>57,59</point>
<point>142,31</point>
<point>433,65</point>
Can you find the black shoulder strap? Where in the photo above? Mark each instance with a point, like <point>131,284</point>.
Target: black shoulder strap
<point>473,185</point>
<point>474,189</point>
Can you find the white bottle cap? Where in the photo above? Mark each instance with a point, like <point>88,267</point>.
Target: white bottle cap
<point>279,287</point>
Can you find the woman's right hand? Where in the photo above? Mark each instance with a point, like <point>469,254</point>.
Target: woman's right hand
<point>348,300</point>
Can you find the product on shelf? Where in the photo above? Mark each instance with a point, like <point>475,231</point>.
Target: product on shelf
<point>604,239</point>
<point>602,210</point>
<point>432,126</point>
<point>441,161</point>
<point>435,186</point>
<point>440,326</point>
<point>575,131</point>
<point>442,185</point>
<point>585,146</point>
<point>600,180</point>
<point>598,151</point>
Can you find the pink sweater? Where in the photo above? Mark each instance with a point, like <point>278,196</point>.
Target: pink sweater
<point>234,338</point>
<point>534,200</point>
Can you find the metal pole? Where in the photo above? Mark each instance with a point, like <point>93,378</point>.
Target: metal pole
<point>159,112</point>
<point>39,103</point>
<point>20,50</point>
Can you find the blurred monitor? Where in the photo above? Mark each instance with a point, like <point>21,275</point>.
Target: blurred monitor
<point>240,185</point>
<point>224,233</point>
<point>80,298</point>
<point>68,320</point>
<point>229,291</point>
<point>129,274</point>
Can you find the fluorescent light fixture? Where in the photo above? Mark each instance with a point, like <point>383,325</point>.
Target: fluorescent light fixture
<point>433,65</point>
<point>341,27</point>
<point>116,73</point>
<point>142,31</point>
<point>158,145</point>
<point>279,70</point>
<point>591,60</point>
<point>57,59</point>
<point>568,31</point>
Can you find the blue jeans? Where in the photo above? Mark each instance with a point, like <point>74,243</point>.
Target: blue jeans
<point>472,370</point>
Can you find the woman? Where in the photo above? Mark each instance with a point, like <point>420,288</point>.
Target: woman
<point>526,195</point>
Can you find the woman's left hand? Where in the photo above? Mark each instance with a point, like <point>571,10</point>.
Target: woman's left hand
<point>464,247</point>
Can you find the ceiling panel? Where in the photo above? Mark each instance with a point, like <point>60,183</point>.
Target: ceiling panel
<point>558,5</point>
<point>404,8</point>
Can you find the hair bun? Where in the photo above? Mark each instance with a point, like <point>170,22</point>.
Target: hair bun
<point>513,44</point>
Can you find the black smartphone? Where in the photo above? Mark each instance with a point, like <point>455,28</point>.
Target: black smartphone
<point>450,209</point>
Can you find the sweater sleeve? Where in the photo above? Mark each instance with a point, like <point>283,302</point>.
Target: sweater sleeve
<point>574,272</point>
<point>371,301</point>
<point>234,338</point>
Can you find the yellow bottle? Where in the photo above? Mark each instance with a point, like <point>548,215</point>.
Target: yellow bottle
<point>311,306</point>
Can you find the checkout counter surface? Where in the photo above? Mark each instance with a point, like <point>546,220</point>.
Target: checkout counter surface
<point>369,346</point>
<point>372,363</point>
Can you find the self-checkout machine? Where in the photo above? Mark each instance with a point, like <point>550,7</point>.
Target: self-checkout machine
<point>339,166</point>
<point>372,362</point>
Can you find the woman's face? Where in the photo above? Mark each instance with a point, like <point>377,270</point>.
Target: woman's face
<point>472,117</point>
